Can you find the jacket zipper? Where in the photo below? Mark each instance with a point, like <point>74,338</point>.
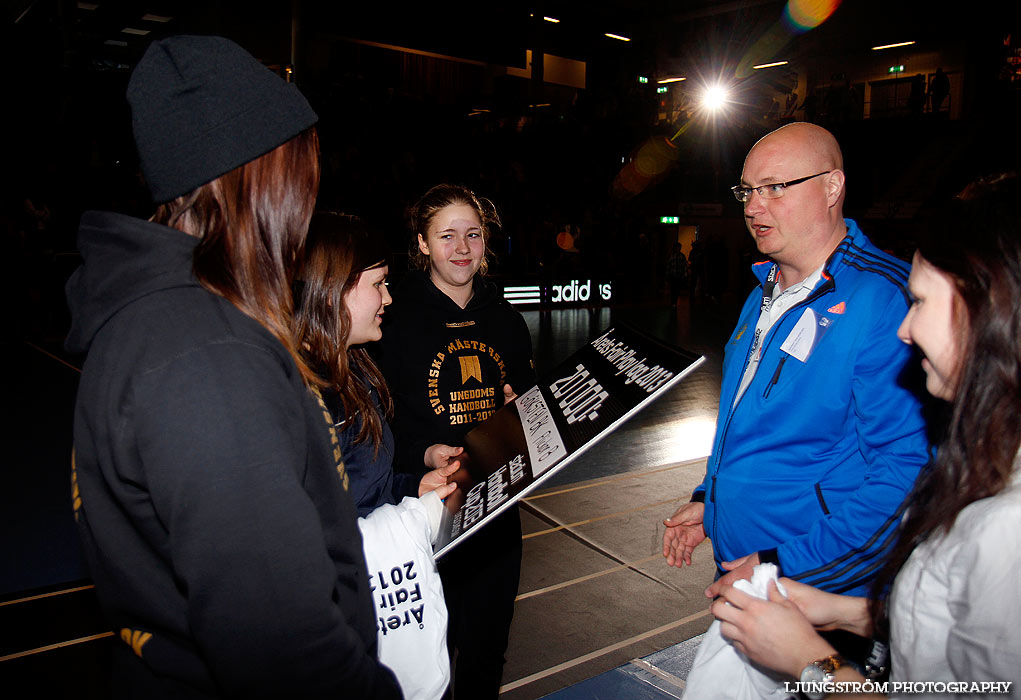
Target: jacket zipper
<point>776,377</point>
<point>822,501</point>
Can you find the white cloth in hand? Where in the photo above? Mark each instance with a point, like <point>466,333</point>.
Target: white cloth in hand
<point>721,671</point>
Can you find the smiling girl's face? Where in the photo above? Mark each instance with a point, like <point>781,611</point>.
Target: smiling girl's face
<point>933,326</point>
<point>455,245</point>
<point>365,304</point>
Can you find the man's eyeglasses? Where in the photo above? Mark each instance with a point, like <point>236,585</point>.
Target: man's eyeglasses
<point>773,191</point>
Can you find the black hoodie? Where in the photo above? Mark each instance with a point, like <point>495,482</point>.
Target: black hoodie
<point>209,489</point>
<point>446,366</point>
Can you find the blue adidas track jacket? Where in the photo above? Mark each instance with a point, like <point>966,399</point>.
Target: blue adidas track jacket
<point>811,468</point>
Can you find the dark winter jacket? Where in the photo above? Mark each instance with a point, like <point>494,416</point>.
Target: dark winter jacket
<point>370,469</point>
<point>210,492</point>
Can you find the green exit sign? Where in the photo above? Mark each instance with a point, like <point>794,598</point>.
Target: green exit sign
<point>896,69</point>
<point>642,79</point>
<point>661,90</point>
<point>669,219</point>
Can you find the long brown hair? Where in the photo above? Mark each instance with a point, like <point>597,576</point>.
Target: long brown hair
<point>440,196</point>
<point>338,249</point>
<point>976,241</point>
<point>252,223</point>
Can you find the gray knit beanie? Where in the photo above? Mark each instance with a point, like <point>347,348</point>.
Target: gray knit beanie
<point>202,106</point>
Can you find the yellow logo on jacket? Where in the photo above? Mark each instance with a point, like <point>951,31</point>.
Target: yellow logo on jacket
<point>136,639</point>
<point>334,440</point>
<point>76,495</point>
<point>470,367</point>
<point>470,364</point>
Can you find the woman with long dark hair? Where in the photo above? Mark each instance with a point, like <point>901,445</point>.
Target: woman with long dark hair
<point>948,594</point>
<point>209,488</point>
<point>342,302</point>
<point>453,348</point>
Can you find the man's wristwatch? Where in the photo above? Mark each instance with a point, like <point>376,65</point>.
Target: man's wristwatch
<point>820,671</point>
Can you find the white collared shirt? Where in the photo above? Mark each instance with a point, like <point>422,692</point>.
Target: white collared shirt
<point>777,307</point>
<point>954,609</point>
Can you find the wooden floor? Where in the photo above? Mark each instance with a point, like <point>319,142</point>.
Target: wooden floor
<point>595,590</point>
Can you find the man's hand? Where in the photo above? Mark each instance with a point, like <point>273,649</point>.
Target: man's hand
<point>684,532</point>
<point>436,480</point>
<point>438,456</point>
<point>738,569</point>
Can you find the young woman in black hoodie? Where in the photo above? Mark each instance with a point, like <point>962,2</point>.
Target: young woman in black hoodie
<point>209,490</point>
<point>453,348</point>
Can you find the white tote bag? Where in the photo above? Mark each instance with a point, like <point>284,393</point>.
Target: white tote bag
<point>411,617</point>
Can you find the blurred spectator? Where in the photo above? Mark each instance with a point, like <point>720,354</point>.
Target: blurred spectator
<point>939,89</point>
<point>676,272</point>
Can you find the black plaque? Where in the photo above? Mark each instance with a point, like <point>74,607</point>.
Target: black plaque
<point>611,378</point>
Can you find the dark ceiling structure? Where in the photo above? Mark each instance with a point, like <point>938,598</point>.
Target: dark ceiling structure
<point>105,33</point>
<point>72,59</point>
<point>111,34</point>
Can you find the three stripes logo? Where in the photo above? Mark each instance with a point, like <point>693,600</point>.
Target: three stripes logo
<point>522,295</point>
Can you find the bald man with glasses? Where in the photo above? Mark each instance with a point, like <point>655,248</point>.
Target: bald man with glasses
<point>819,437</point>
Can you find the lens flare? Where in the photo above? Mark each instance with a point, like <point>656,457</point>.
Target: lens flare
<point>802,15</point>
<point>655,157</point>
<point>654,160</point>
<point>714,98</point>
<point>798,17</point>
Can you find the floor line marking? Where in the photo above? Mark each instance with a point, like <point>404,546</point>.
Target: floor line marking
<point>656,671</point>
<point>611,479</point>
<point>514,685</point>
<point>46,595</point>
<point>596,546</point>
<point>52,356</point>
<point>596,519</point>
<point>58,645</point>
<point>582,579</point>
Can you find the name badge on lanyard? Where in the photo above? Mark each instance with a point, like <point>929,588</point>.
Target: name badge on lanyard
<point>805,336</point>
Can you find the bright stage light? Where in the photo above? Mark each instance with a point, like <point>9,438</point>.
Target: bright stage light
<point>714,98</point>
